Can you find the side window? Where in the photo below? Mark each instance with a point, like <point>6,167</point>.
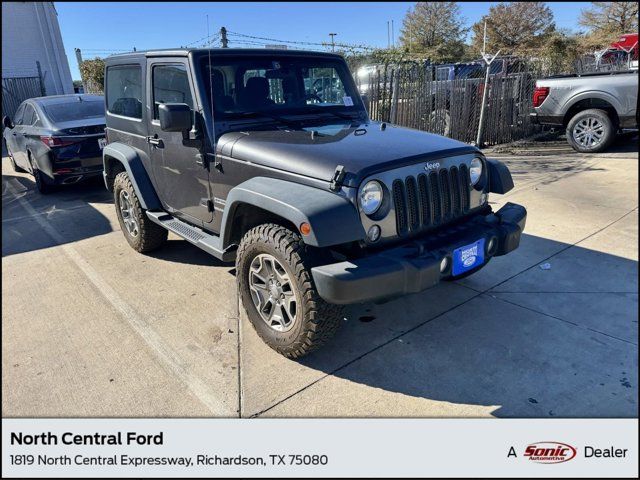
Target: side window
<point>29,115</point>
<point>442,73</point>
<point>496,67</point>
<point>170,85</point>
<point>17,120</point>
<point>124,90</point>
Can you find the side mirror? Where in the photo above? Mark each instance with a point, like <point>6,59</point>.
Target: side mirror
<point>6,122</point>
<point>175,117</point>
<point>365,101</point>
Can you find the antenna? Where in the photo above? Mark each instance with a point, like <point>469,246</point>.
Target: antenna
<point>213,122</point>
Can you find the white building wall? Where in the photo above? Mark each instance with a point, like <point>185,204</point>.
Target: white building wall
<point>30,33</point>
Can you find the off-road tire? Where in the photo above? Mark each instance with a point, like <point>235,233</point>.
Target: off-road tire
<point>41,185</point>
<point>150,235</point>
<point>609,130</point>
<point>317,321</point>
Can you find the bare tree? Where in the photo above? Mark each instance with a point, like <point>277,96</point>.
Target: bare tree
<point>605,21</point>
<point>514,27</point>
<point>434,29</point>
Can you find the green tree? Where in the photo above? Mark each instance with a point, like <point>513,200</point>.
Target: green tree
<point>606,21</point>
<point>92,72</point>
<point>514,28</point>
<point>435,30</point>
<point>561,50</point>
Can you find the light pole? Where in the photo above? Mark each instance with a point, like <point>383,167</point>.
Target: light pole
<point>333,43</point>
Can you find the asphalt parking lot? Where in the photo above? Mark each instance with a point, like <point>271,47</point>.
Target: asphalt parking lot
<point>92,328</point>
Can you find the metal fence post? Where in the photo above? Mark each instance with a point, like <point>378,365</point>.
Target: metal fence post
<point>482,108</point>
<point>42,88</point>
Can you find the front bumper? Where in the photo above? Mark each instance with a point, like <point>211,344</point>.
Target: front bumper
<point>415,266</point>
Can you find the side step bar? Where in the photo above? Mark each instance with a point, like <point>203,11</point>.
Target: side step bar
<point>208,242</point>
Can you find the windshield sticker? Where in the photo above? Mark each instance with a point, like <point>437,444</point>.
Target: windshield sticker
<point>347,101</point>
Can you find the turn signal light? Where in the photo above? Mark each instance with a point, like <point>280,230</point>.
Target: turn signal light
<point>305,228</point>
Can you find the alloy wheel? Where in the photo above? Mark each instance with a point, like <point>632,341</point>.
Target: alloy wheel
<point>273,292</point>
<point>588,132</point>
<point>128,214</point>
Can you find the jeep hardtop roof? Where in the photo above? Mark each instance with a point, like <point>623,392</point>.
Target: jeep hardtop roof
<point>184,52</point>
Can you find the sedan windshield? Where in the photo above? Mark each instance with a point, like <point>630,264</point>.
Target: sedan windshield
<point>73,110</point>
<point>246,86</point>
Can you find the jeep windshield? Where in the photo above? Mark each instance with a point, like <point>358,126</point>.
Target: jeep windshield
<point>270,87</point>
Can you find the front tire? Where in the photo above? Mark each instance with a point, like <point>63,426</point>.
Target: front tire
<point>273,266</point>
<point>590,131</point>
<point>141,233</point>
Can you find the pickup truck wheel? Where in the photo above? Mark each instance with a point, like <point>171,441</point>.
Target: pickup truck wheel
<point>277,291</point>
<point>142,234</point>
<point>590,131</point>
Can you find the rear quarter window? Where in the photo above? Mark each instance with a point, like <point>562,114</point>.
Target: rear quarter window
<point>124,91</point>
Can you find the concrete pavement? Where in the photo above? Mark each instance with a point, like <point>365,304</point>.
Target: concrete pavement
<point>91,328</point>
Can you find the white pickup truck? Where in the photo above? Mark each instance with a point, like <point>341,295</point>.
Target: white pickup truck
<point>592,107</point>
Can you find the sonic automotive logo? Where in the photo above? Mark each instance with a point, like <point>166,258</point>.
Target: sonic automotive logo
<point>550,452</point>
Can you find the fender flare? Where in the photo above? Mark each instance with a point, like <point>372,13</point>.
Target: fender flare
<point>592,94</point>
<point>333,218</point>
<point>500,180</point>
<point>132,163</point>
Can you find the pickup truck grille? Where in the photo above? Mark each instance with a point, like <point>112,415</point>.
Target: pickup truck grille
<point>430,199</point>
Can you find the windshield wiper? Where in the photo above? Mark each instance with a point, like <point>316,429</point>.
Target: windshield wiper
<point>323,110</point>
<point>278,118</point>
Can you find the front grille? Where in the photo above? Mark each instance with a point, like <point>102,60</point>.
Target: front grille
<point>432,199</point>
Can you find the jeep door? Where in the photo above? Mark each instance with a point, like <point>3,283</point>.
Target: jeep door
<point>181,179</point>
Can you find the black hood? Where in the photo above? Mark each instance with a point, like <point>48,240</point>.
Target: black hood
<point>362,149</point>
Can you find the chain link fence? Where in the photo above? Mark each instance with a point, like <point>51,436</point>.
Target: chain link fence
<point>17,89</point>
<point>447,99</point>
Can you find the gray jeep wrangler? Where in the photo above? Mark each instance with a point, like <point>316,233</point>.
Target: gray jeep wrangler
<point>268,158</point>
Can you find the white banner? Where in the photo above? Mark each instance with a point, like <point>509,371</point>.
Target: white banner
<point>319,448</point>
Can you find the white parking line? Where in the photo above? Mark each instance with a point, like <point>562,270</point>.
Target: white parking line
<point>48,213</point>
<point>163,352</point>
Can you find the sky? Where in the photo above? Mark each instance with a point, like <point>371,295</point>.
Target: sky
<point>103,27</point>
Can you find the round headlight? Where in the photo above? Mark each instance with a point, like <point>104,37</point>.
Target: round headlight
<point>475,171</point>
<point>371,197</point>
